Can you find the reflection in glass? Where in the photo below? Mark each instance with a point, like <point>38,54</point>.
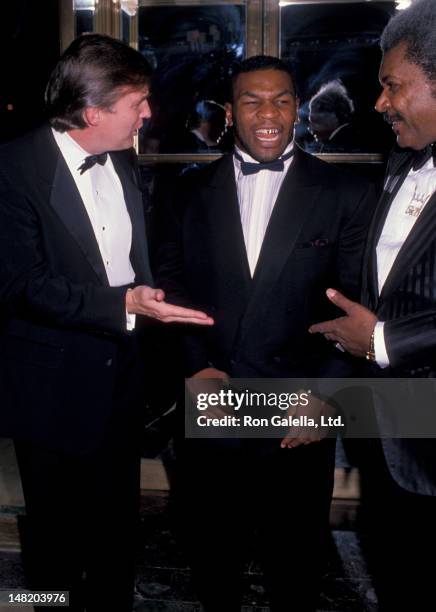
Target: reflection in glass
<point>191,49</point>
<point>84,16</point>
<point>331,119</point>
<point>334,51</point>
<point>129,8</point>
<point>208,126</point>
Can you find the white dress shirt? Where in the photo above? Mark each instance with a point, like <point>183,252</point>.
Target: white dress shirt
<point>102,195</point>
<point>408,204</point>
<point>257,195</point>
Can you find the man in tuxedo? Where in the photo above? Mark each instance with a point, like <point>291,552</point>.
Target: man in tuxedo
<point>394,325</point>
<point>76,286</point>
<point>258,237</point>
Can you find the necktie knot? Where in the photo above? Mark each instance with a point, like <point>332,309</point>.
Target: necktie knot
<point>91,160</point>
<point>422,157</point>
<point>276,165</point>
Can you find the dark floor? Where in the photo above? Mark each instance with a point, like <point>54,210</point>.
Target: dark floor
<point>163,580</point>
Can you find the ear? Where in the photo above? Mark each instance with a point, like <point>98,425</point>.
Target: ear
<point>229,114</point>
<point>92,116</point>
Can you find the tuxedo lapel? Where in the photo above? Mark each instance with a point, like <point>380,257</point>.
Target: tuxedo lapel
<point>420,239</point>
<point>370,275</point>
<point>135,207</point>
<point>225,231</point>
<point>54,178</point>
<point>398,169</point>
<point>294,204</point>
<point>58,187</point>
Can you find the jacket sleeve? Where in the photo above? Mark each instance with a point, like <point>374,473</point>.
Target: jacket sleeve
<point>411,340</point>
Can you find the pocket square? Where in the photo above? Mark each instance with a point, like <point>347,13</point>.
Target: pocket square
<point>316,242</point>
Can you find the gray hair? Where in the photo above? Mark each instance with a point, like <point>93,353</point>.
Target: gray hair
<point>416,27</point>
<point>333,97</point>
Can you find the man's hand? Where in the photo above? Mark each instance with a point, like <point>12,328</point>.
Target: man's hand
<point>296,436</point>
<point>149,302</point>
<point>211,373</point>
<point>209,380</point>
<point>353,331</point>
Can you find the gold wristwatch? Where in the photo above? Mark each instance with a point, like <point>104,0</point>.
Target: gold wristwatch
<point>370,353</point>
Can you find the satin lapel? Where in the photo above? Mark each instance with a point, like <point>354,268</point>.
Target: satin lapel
<point>225,230</point>
<point>294,204</point>
<point>395,176</point>
<point>135,206</point>
<point>370,291</point>
<point>417,242</point>
<point>63,195</point>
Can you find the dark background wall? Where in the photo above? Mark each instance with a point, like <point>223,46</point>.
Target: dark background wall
<point>29,49</point>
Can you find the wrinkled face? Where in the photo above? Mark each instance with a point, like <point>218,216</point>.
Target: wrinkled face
<point>263,113</point>
<point>408,100</point>
<point>119,124</point>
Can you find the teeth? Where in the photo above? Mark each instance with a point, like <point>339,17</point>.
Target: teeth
<point>268,131</point>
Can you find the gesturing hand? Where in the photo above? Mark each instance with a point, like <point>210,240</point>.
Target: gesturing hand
<point>353,331</point>
<point>149,302</point>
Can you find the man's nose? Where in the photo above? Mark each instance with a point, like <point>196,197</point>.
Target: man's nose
<point>382,103</point>
<point>268,109</point>
<point>145,110</point>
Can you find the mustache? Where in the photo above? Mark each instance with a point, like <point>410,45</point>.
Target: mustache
<point>391,118</point>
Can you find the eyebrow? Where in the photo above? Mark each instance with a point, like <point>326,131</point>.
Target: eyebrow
<point>138,102</point>
<point>386,77</point>
<point>251,94</point>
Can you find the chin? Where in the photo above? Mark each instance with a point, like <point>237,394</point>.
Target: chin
<point>404,144</point>
<point>268,154</point>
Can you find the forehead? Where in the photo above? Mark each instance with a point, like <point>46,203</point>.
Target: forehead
<point>133,94</point>
<point>259,81</point>
<point>395,65</point>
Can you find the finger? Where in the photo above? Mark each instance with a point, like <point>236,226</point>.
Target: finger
<point>292,443</point>
<point>322,328</point>
<point>170,310</point>
<point>187,320</point>
<point>290,438</point>
<point>332,337</point>
<point>159,295</point>
<point>340,300</point>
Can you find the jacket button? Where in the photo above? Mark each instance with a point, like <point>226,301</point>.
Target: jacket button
<point>108,363</point>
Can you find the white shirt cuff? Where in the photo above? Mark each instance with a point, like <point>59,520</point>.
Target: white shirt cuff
<point>130,321</point>
<point>381,355</point>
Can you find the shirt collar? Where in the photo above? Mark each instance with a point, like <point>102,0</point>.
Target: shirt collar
<point>73,153</point>
<point>246,157</point>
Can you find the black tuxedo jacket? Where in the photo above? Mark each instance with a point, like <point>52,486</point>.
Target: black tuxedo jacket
<point>314,240</point>
<point>64,324</point>
<point>407,304</point>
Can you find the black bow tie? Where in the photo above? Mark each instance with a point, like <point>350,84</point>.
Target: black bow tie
<point>422,157</point>
<point>277,165</point>
<point>91,160</point>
